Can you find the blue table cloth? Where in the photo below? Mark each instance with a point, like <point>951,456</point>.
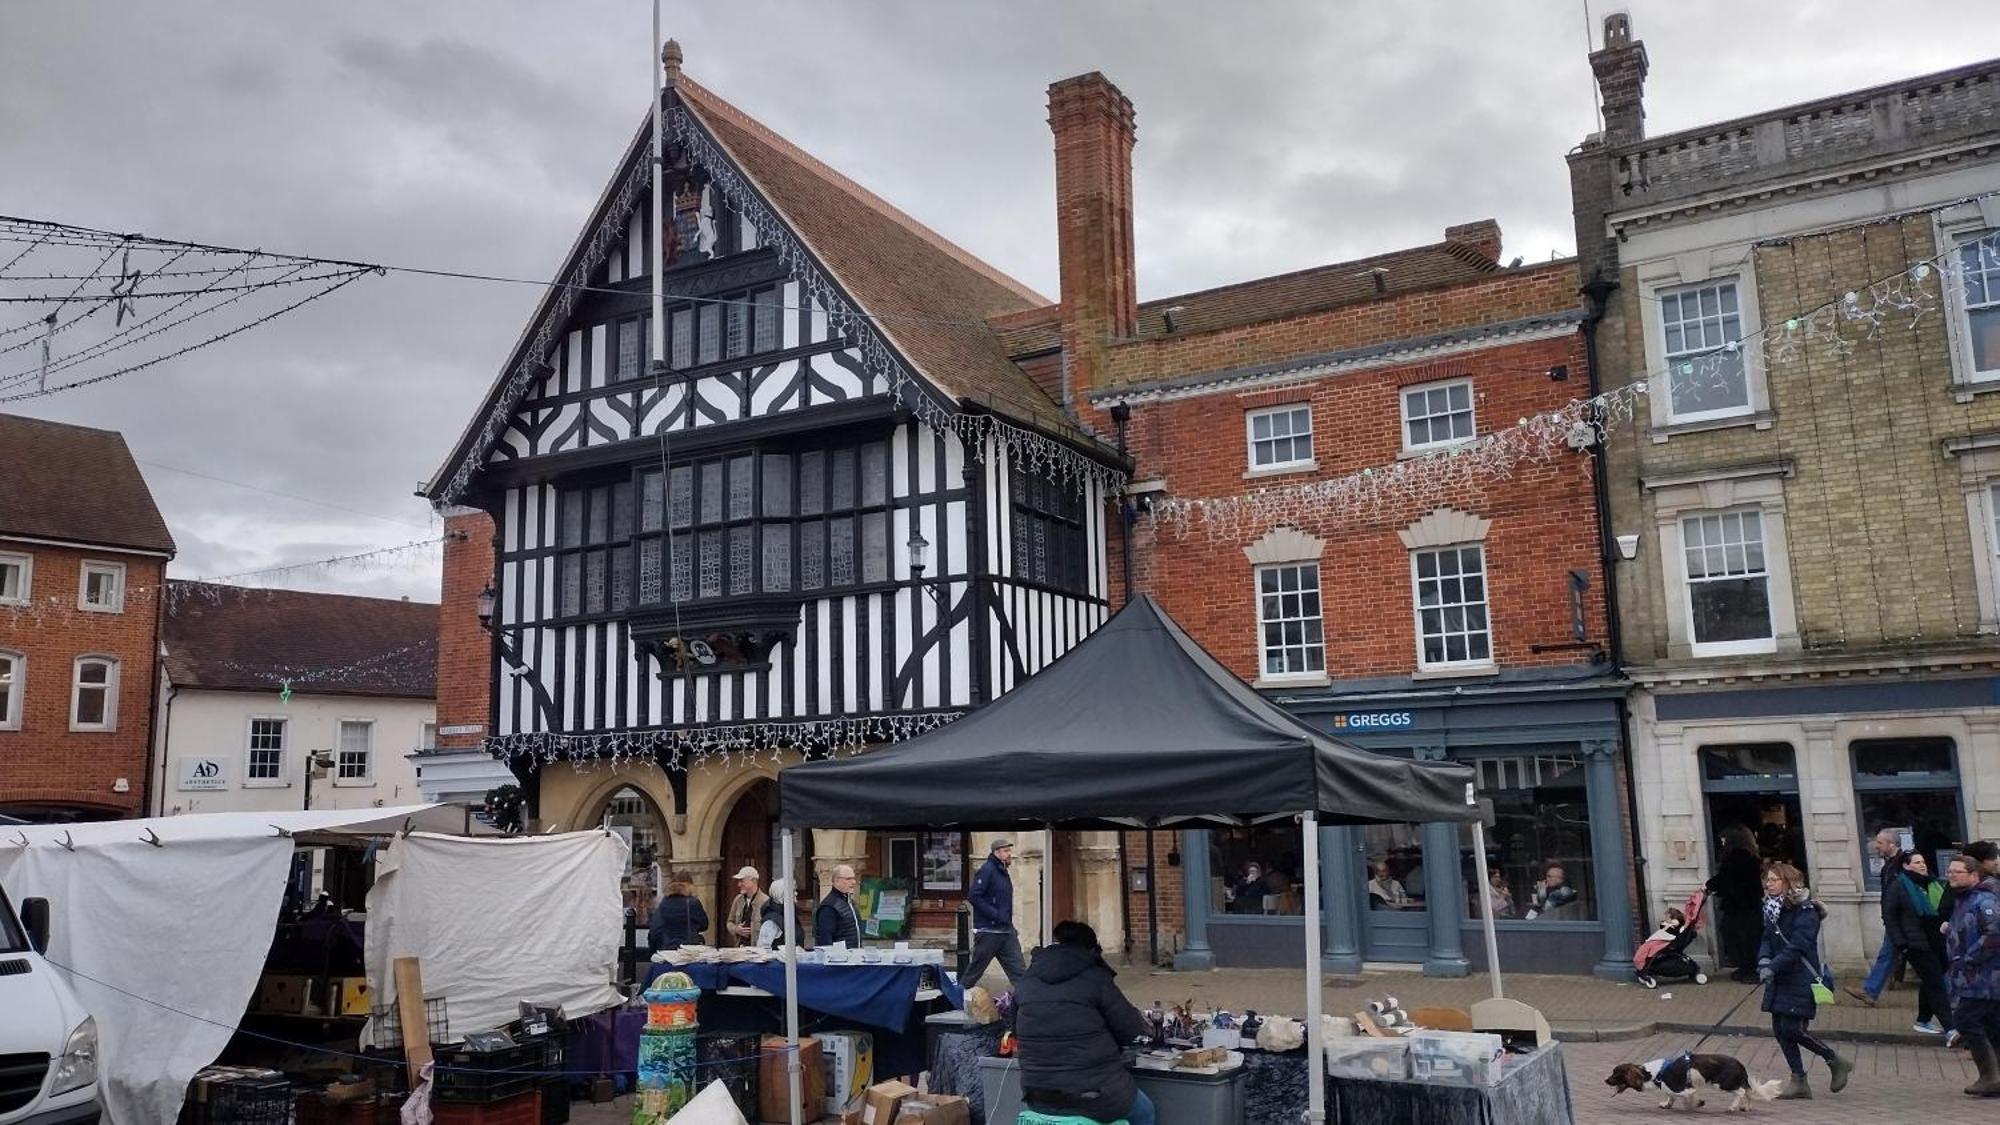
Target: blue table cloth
<point>876,995</point>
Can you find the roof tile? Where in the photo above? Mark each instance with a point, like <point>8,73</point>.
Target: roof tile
<point>234,638</point>
<point>75,484</point>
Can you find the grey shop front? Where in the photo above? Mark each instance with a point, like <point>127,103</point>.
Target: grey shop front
<point>1547,754</point>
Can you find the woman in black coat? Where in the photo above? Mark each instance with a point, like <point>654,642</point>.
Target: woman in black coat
<point>1072,1025</point>
<point>679,919</point>
<point>1788,963</point>
<point>1913,913</point>
<point>1736,887</point>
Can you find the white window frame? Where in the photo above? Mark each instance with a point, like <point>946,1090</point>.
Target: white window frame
<point>17,688</point>
<point>1471,410</point>
<point>1309,462</point>
<point>26,566</point>
<point>339,748</point>
<point>1760,486</point>
<point>427,735</point>
<point>1978,463</point>
<point>110,688</point>
<point>1694,270</point>
<point>1443,529</point>
<point>1747,647</point>
<point>1306,648</point>
<point>1284,546</point>
<point>1669,360</point>
<point>250,750</point>
<point>116,570</point>
<point>1956,226</point>
<point>1469,664</point>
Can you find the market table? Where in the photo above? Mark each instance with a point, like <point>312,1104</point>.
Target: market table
<point>884,999</point>
<point>1533,1090</point>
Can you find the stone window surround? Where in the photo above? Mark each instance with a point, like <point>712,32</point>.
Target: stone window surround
<point>1719,263</point>
<point>1449,527</point>
<point>1759,486</point>
<point>1978,458</point>
<point>1286,546</point>
<point>1952,225</point>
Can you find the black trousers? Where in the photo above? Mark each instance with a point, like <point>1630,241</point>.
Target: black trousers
<point>988,947</point>
<point>1742,930</point>
<point>1931,1002</point>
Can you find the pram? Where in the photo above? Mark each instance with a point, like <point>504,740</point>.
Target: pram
<point>1664,956</point>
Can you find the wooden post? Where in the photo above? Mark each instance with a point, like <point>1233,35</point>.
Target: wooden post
<point>410,1014</point>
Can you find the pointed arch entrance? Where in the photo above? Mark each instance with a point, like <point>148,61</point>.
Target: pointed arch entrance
<point>629,812</point>
<point>750,839</point>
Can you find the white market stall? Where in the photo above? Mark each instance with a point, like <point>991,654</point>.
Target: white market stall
<point>163,925</point>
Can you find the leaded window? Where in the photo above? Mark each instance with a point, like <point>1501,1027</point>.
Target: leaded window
<point>736,525</point>
<point>1050,546</point>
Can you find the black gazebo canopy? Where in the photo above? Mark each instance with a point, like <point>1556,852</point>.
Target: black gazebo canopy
<point>1135,725</point>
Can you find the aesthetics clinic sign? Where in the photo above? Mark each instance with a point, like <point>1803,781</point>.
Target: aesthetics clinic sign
<point>204,773</point>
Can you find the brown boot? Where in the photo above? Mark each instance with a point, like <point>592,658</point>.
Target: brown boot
<point>1988,1083</point>
<point>1795,1089</point>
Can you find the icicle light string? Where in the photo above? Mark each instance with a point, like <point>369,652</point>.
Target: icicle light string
<point>1837,326</point>
<point>390,667</point>
<point>721,745</point>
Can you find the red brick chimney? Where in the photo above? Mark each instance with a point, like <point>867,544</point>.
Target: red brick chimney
<point>1094,132</point>
<point>465,648</point>
<point>1621,81</point>
<point>1483,236</point>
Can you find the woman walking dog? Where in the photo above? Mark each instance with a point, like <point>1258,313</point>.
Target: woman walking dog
<point>1788,962</point>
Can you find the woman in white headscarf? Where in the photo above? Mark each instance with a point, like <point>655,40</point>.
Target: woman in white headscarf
<point>771,923</point>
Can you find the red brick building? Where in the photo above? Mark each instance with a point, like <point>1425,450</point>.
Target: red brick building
<point>1319,499</point>
<point>83,557</point>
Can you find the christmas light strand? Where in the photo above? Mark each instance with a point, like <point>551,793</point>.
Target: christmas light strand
<point>1898,302</point>
<point>722,745</point>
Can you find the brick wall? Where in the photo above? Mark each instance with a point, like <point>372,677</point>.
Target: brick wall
<point>465,650</point>
<point>1167,891</point>
<point>45,763</point>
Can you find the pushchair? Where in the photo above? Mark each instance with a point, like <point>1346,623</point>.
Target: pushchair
<point>1664,955</point>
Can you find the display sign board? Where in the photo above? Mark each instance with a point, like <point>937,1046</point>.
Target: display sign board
<point>1374,720</point>
<point>204,773</point>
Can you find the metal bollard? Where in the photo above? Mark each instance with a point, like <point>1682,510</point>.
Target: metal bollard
<point>964,941</point>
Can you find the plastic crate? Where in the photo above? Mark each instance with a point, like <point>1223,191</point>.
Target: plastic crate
<point>731,1057</point>
<point>387,1023</point>
<point>555,1101</point>
<point>246,1101</point>
<point>521,1109</point>
<point>483,1077</point>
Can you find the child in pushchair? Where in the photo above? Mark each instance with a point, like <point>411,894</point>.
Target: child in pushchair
<point>1664,956</point>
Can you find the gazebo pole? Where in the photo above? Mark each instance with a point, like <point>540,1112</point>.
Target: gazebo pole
<point>792,1066</point>
<point>1315,1049</point>
<point>1048,883</point>
<point>1486,905</point>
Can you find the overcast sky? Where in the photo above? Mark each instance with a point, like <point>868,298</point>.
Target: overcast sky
<point>476,136</point>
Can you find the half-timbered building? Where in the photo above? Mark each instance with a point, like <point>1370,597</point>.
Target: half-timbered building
<point>832,513</point>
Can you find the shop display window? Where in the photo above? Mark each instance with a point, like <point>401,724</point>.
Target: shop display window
<point>1910,785</point>
<point>1257,870</point>
<point>1538,852</point>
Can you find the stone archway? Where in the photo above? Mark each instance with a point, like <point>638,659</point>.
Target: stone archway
<point>630,812</point>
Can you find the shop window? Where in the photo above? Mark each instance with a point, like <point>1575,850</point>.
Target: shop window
<point>903,858</point>
<point>1909,785</point>
<point>1539,858</point>
<point>1393,866</point>
<point>1257,870</point>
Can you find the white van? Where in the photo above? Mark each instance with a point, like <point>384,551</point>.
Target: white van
<point>48,1043</point>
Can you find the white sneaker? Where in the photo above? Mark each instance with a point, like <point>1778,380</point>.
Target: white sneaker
<point>1928,1027</point>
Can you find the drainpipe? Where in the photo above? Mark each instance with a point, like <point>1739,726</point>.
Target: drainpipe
<point>1597,292</point>
<point>1121,415</point>
<point>157,799</point>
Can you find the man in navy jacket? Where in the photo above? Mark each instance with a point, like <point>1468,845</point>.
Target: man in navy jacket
<point>993,936</point>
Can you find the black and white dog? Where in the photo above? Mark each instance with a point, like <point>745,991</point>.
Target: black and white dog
<point>1685,1075</point>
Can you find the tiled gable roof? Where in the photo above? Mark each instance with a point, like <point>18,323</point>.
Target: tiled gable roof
<point>231,638</point>
<point>931,297</point>
<point>75,484</point>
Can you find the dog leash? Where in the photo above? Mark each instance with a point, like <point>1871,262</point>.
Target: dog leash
<point>1725,1018</point>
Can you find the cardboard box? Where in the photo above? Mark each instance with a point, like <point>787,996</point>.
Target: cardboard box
<point>849,1058</point>
<point>774,1102</point>
<point>348,996</point>
<point>884,1099</point>
<point>935,1109</point>
<point>288,995</point>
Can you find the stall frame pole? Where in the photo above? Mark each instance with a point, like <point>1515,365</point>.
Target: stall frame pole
<point>1486,906</point>
<point>1315,1048</point>
<point>792,1064</point>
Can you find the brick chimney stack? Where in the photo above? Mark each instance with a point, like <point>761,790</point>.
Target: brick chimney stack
<point>1483,236</point>
<point>1621,81</point>
<point>1094,130</point>
<point>465,648</point>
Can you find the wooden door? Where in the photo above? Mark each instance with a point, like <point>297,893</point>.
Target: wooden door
<point>1063,904</point>
<point>746,839</point>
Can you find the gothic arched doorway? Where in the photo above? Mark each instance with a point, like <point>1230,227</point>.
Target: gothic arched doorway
<point>750,838</point>
<point>631,814</point>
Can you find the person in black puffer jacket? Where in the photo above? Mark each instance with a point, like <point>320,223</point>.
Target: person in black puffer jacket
<point>679,919</point>
<point>1073,1025</point>
<point>1914,910</point>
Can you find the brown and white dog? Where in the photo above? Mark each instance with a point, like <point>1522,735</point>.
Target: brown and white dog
<point>1684,1076</point>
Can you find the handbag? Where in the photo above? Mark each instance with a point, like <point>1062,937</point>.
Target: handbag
<point>1822,985</point>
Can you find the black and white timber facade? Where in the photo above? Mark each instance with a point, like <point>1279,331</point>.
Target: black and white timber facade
<point>716,552</point>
